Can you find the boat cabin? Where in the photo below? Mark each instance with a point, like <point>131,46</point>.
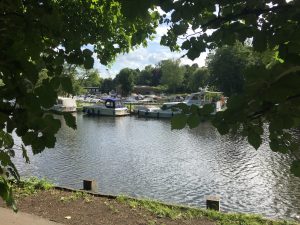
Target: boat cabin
<point>203,98</point>
<point>113,103</point>
<point>64,104</point>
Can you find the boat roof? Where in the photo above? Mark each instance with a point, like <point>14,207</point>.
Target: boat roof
<point>111,99</point>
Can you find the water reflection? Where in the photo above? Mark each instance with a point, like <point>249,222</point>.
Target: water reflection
<point>144,158</point>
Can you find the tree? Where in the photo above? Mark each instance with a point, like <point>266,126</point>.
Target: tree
<point>125,78</point>
<point>227,66</point>
<point>199,79</point>
<point>42,36</point>
<point>172,74</point>
<point>92,78</point>
<point>145,76</point>
<point>189,71</point>
<point>108,85</point>
<point>271,93</point>
<point>156,76</point>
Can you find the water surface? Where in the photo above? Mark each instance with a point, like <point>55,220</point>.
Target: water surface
<point>144,158</point>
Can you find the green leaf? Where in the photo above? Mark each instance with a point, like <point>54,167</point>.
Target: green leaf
<point>184,107</point>
<point>186,45</point>
<point>49,140</point>
<point>52,125</point>
<point>38,145</point>
<point>47,96</point>
<point>7,139</point>
<point>67,84</point>
<point>6,193</point>
<point>193,120</point>
<point>222,127</point>
<point>87,52</point>
<point>4,158</point>
<point>254,139</point>
<point>193,53</point>
<point>259,42</point>
<point>24,154</point>
<point>88,63</point>
<point>180,29</point>
<point>207,109</point>
<point>28,138</point>
<point>276,145</point>
<point>70,120</point>
<point>55,82</point>
<point>194,109</point>
<point>295,168</point>
<point>178,121</point>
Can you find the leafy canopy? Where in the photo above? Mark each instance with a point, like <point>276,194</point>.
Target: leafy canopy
<point>43,35</point>
<point>271,93</point>
<point>37,38</point>
<point>227,66</point>
<point>125,80</point>
<point>172,74</point>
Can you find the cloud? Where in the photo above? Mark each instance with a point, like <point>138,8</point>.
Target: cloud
<point>151,55</point>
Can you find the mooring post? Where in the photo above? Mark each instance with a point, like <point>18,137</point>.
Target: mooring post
<point>90,185</point>
<point>213,202</point>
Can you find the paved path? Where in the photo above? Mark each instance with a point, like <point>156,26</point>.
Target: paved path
<point>8,217</point>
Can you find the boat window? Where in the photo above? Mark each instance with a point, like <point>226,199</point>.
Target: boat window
<point>195,97</point>
<point>118,104</point>
<point>109,104</point>
<point>59,101</point>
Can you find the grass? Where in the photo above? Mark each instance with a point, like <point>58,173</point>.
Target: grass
<point>76,196</point>
<point>31,186</point>
<point>80,105</point>
<point>179,212</point>
<point>111,207</point>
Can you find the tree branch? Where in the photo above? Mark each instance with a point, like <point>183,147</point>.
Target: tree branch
<point>220,20</point>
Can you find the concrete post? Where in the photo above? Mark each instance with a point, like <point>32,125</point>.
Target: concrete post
<point>90,185</point>
<point>213,202</point>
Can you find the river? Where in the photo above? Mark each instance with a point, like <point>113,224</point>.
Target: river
<point>144,158</point>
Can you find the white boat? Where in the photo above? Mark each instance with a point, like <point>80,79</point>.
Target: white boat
<point>110,107</point>
<point>169,109</point>
<point>166,111</point>
<point>65,105</point>
<point>206,97</point>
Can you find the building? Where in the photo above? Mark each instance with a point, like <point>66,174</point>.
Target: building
<point>93,90</point>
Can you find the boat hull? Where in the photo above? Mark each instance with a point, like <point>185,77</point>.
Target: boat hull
<point>157,114</point>
<point>99,111</point>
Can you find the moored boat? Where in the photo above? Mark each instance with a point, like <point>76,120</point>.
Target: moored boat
<point>65,105</point>
<point>169,109</point>
<point>166,111</point>
<point>110,107</point>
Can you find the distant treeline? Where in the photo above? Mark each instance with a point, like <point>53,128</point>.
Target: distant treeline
<point>225,71</point>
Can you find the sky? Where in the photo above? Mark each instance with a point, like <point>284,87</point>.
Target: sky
<point>141,57</point>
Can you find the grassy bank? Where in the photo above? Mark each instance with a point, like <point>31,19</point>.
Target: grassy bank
<point>41,198</point>
<point>181,212</point>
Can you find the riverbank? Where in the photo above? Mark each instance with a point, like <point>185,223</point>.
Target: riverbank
<point>42,199</point>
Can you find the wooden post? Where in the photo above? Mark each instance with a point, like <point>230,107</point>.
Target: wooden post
<point>213,202</point>
<point>90,185</point>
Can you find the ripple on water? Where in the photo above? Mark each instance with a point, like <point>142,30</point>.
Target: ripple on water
<point>144,158</point>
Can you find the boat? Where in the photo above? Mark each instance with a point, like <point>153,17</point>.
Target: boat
<point>204,97</point>
<point>166,111</point>
<point>110,107</point>
<point>64,104</point>
<point>169,109</point>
